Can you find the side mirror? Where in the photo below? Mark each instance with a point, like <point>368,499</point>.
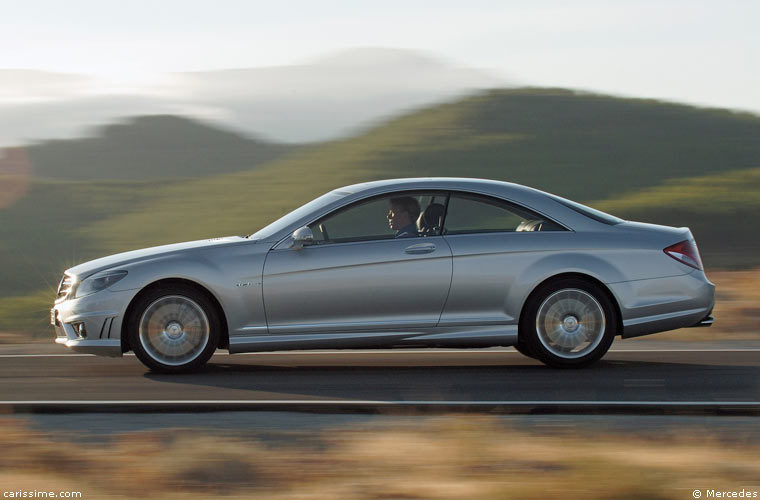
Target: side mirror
<point>302,237</point>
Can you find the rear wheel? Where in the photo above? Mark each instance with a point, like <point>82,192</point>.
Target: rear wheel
<point>569,323</point>
<point>174,329</point>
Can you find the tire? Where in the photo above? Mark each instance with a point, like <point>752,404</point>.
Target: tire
<point>569,323</point>
<point>174,329</point>
<point>522,348</point>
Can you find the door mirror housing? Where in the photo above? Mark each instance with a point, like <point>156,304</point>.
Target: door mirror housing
<point>301,238</point>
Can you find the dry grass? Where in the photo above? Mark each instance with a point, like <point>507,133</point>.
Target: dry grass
<point>472,457</point>
<point>737,309</point>
<point>738,301</point>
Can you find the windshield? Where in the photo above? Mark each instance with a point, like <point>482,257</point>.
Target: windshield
<point>293,217</point>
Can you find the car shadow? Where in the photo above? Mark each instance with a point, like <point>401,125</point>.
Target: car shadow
<point>607,380</point>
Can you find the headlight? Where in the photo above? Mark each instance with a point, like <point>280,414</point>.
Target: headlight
<point>97,282</point>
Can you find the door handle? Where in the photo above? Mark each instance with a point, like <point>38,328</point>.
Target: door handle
<point>420,248</point>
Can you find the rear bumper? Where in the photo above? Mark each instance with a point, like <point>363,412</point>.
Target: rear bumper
<point>705,322</point>
<point>661,304</point>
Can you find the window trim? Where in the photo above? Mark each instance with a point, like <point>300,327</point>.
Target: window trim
<point>590,212</point>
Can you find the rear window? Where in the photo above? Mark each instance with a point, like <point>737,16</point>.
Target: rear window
<point>589,212</point>
<point>469,213</point>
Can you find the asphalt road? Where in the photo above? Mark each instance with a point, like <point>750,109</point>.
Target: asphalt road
<point>653,375</point>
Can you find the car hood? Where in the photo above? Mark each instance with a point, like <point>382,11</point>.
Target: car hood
<point>121,259</point>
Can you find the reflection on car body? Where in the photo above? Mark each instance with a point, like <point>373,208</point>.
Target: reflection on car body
<point>483,263</point>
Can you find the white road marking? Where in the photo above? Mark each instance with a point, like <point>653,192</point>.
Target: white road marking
<point>43,355</point>
<point>470,351</point>
<point>333,402</point>
<point>748,349</point>
<point>382,351</point>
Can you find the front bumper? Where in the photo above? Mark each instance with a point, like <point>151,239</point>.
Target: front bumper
<point>91,324</point>
<point>100,347</point>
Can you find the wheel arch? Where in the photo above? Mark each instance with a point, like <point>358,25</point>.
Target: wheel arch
<point>571,275</point>
<point>224,337</point>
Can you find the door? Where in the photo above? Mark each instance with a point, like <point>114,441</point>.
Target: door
<point>366,271</point>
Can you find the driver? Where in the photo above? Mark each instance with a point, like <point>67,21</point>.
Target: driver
<point>402,215</point>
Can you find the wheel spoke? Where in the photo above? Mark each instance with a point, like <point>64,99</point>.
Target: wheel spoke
<point>570,323</point>
<point>174,330</point>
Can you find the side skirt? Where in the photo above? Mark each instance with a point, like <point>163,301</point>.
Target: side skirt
<point>460,337</point>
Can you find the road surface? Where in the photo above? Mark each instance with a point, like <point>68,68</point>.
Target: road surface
<point>648,377</point>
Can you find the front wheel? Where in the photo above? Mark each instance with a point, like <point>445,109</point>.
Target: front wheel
<point>174,329</point>
<point>569,323</point>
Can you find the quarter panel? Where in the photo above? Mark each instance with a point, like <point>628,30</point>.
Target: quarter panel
<point>489,279</point>
<point>493,274</point>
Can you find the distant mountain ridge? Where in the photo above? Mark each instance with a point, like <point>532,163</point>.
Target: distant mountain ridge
<point>152,147</point>
<point>325,98</point>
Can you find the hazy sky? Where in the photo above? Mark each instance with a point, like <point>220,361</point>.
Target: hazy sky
<point>705,52</point>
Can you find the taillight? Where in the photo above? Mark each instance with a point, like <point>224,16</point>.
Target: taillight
<point>685,252</point>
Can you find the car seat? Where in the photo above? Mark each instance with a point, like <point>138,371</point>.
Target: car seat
<point>430,220</point>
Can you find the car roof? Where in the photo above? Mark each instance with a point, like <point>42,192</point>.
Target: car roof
<point>429,183</point>
<point>506,190</point>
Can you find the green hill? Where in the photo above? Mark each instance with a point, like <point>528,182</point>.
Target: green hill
<point>583,146</point>
<point>586,147</point>
<point>152,147</point>
<point>640,159</point>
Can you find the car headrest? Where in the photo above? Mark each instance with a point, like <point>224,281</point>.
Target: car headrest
<point>530,225</point>
<point>429,221</point>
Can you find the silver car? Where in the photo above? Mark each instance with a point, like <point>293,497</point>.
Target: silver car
<point>438,262</point>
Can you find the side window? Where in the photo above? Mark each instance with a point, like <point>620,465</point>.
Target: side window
<point>400,215</point>
<point>481,214</point>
